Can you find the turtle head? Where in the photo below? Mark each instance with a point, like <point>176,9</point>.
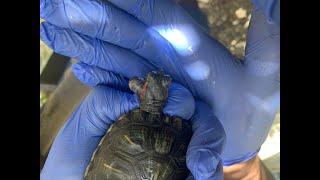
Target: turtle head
<point>152,91</point>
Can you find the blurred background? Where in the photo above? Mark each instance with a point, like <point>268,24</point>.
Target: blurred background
<point>227,21</point>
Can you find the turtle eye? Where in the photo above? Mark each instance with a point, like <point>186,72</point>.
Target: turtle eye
<point>136,84</point>
<point>151,76</point>
<point>166,81</point>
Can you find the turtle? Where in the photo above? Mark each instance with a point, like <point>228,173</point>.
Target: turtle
<point>144,144</point>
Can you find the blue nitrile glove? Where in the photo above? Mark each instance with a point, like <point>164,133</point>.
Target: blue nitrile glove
<point>243,95</point>
<point>109,98</point>
<point>271,9</point>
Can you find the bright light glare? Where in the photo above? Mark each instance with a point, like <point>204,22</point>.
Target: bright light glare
<point>268,104</point>
<point>198,70</point>
<point>176,38</point>
<point>183,39</point>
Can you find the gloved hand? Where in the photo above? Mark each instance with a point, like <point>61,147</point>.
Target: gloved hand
<point>271,9</point>
<point>131,37</point>
<point>110,98</point>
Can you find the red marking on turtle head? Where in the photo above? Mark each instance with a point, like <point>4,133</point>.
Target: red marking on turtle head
<point>144,90</point>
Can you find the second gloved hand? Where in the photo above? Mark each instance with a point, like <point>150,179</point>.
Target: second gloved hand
<point>109,98</point>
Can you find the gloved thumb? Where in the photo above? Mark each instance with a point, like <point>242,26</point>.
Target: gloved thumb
<point>205,147</point>
<point>93,76</point>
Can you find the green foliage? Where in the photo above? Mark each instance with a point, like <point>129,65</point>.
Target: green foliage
<point>43,98</point>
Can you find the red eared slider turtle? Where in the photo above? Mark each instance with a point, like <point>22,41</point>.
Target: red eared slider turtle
<point>144,144</point>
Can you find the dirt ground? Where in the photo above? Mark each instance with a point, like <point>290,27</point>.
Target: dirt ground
<point>228,21</point>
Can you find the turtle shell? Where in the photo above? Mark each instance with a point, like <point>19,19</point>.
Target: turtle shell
<point>141,146</point>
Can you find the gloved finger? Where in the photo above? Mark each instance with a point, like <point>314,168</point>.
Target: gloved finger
<point>107,23</point>
<point>93,76</point>
<point>171,21</point>
<point>97,19</point>
<point>206,145</point>
<point>180,101</point>
<point>100,20</point>
<point>94,51</point>
<point>261,92</point>
<point>153,12</point>
<point>270,8</point>
<point>262,54</point>
<point>72,149</point>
